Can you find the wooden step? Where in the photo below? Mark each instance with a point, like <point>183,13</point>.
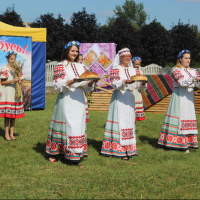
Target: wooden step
<point>100,101</point>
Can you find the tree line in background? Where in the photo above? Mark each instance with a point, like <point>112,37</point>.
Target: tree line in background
<point>152,42</point>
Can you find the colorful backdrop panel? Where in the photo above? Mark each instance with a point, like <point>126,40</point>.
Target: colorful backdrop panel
<point>23,47</point>
<point>98,57</point>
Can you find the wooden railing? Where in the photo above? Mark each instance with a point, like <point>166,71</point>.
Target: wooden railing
<point>49,73</point>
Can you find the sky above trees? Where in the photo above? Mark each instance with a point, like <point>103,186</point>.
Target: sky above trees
<point>167,12</point>
<point>127,28</point>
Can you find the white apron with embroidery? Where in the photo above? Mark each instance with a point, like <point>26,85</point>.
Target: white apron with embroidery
<point>74,105</point>
<point>187,117</point>
<point>126,104</point>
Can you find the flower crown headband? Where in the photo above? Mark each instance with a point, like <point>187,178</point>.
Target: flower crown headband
<point>70,44</point>
<point>182,52</point>
<point>10,53</point>
<point>136,58</point>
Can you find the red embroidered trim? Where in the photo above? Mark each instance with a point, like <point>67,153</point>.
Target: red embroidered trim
<point>75,70</point>
<point>114,75</point>
<point>190,75</point>
<point>4,73</point>
<point>188,125</point>
<point>177,75</point>
<point>175,139</point>
<point>76,142</point>
<point>11,103</point>
<point>59,72</point>
<point>127,74</point>
<point>197,73</point>
<point>127,134</point>
<point>125,51</point>
<point>140,118</point>
<point>111,146</point>
<point>137,71</point>
<point>12,115</point>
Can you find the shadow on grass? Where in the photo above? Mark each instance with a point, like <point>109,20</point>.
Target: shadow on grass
<point>40,148</point>
<point>96,144</point>
<point>104,126</point>
<point>152,141</point>
<point>2,132</point>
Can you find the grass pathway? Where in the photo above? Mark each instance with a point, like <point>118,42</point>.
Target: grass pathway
<point>155,174</point>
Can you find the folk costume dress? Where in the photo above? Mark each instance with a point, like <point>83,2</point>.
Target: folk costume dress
<point>67,132</point>
<point>179,129</point>
<point>119,136</point>
<point>9,106</point>
<point>139,108</point>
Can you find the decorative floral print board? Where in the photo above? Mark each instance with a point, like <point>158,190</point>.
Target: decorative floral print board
<point>104,61</point>
<point>90,58</point>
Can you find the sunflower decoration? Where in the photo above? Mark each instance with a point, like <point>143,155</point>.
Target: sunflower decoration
<point>18,67</point>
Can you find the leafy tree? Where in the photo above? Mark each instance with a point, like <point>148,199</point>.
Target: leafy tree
<point>185,37</point>
<point>58,34</point>
<point>133,12</point>
<point>84,27</point>
<point>157,44</point>
<point>194,28</point>
<point>11,17</point>
<point>123,34</point>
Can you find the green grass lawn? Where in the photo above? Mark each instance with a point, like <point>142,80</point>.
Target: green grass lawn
<point>156,173</point>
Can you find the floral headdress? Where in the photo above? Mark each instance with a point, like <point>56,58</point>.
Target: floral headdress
<point>136,58</point>
<point>70,44</point>
<point>10,53</point>
<point>182,52</point>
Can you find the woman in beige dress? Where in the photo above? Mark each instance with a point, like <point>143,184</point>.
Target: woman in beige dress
<point>10,107</point>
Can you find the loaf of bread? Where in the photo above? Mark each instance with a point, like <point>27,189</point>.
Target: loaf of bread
<point>88,74</point>
<point>139,78</point>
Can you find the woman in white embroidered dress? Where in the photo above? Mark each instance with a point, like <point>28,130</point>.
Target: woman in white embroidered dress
<point>179,129</point>
<point>10,107</point>
<point>119,136</point>
<point>68,123</point>
<point>139,108</point>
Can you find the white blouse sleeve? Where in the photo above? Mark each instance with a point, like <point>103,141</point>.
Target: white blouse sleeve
<point>4,73</point>
<point>60,79</point>
<point>180,79</point>
<point>118,83</point>
<point>83,85</point>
